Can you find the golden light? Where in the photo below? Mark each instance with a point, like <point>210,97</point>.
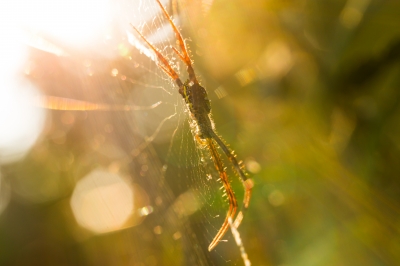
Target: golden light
<point>276,61</point>
<point>353,13</point>
<point>102,202</point>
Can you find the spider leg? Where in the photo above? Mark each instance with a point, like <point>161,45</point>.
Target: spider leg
<point>184,56</point>
<point>247,182</point>
<point>229,192</point>
<point>162,61</point>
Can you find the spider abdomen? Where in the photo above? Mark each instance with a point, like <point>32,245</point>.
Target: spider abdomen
<point>199,106</point>
<point>196,98</point>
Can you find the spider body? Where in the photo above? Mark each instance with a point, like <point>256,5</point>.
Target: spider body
<point>196,99</point>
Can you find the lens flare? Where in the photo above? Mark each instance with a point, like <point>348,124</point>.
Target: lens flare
<point>102,202</point>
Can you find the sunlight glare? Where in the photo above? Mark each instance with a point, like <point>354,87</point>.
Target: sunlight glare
<point>21,122</point>
<point>73,22</point>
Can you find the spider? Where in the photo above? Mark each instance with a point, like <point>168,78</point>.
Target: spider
<point>196,99</point>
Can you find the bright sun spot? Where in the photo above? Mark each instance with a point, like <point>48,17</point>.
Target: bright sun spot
<point>21,123</point>
<point>72,22</point>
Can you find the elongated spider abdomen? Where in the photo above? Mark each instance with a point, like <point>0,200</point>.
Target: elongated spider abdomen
<point>196,98</point>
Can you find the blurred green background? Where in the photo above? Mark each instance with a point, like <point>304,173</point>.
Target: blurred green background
<point>307,94</point>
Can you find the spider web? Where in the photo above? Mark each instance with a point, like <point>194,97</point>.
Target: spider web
<point>154,147</point>
<point>196,206</point>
